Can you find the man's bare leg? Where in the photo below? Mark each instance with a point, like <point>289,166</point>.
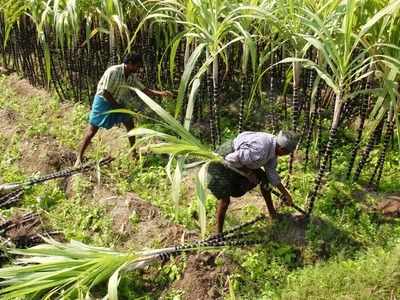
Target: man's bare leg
<point>268,200</point>
<point>90,133</point>
<point>129,125</point>
<point>221,211</point>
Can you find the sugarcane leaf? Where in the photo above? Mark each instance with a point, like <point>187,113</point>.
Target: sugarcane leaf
<point>322,73</point>
<point>186,76</point>
<point>168,167</point>
<point>232,295</point>
<point>201,193</point>
<point>141,131</point>
<point>180,149</point>
<point>47,60</point>
<point>67,269</point>
<point>177,180</point>
<point>174,48</point>
<point>113,283</point>
<point>191,102</point>
<point>391,8</point>
<point>169,120</point>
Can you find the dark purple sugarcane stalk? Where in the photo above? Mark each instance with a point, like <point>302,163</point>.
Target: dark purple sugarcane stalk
<point>242,102</point>
<point>363,114</point>
<point>386,142</point>
<point>211,106</point>
<point>327,153</point>
<point>373,140</point>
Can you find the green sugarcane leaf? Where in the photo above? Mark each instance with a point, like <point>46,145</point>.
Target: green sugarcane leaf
<point>177,180</point>
<point>201,193</point>
<point>168,168</point>
<point>113,283</point>
<point>309,64</point>
<point>141,131</point>
<point>172,56</point>
<point>168,119</point>
<point>391,8</point>
<point>75,269</point>
<point>186,77</point>
<point>191,102</point>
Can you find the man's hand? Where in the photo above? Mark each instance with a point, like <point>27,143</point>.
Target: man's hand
<point>153,93</point>
<point>286,197</point>
<point>110,98</point>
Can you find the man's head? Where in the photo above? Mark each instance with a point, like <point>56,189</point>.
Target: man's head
<point>286,142</point>
<point>133,61</point>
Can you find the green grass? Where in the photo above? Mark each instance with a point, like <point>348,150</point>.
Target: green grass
<point>374,275</point>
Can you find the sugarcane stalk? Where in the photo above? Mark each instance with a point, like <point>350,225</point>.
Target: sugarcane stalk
<point>242,101</point>
<point>215,101</point>
<point>61,174</point>
<point>10,224</point>
<point>380,164</point>
<point>296,107</point>
<point>328,151</point>
<point>363,114</point>
<point>271,93</point>
<point>11,198</point>
<point>13,191</point>
<point>373,140</point>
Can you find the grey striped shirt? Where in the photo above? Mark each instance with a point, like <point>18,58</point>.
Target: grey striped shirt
<point>255,150</point>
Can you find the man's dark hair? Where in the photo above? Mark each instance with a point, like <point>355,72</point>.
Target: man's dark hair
<point>133,58</point>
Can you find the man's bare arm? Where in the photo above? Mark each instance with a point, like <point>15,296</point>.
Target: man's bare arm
<point>154,93</point>
<point>111,99</point>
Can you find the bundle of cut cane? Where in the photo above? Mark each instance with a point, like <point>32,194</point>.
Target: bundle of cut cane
<point>71,270</point>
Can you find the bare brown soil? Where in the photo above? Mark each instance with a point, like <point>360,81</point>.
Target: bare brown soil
<point>390,206</point>
<point>204,278</point>
<point>44,154</point>
<point>23,88</point>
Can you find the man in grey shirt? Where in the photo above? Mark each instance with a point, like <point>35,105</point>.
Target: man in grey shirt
<point>245,157</point>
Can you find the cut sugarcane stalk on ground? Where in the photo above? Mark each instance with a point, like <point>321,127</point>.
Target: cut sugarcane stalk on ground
<point>11,192</point>
<point>10,187</point>
<point>71,270</point>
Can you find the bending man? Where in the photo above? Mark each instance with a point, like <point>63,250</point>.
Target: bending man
<point>248,153</point>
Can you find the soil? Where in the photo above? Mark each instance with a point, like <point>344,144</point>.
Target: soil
<point>390,206</point>
<point>45,155</point>
<point>204,278</point>
<point>140,224</point>
<point>7,124</point>
<point>23,88</point>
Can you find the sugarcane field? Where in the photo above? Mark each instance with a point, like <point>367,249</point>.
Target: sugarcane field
<point>198,150</point>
